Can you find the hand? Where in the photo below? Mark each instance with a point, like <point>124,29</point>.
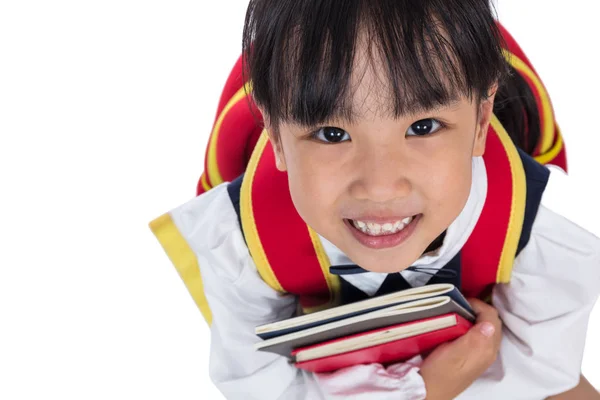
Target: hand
<point>454,366</point>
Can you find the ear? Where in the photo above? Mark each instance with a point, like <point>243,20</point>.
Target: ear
<point>486,110</point>
<point>276,143</point>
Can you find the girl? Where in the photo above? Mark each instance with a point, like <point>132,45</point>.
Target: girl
<point>388,127</point>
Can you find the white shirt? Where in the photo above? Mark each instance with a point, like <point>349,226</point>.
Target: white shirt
<point>545,309</point>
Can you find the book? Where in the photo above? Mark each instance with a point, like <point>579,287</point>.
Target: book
<point>385,345</point>
<point>367,315</point>
<point>295,324</point>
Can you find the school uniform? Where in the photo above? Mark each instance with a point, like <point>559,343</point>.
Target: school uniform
<point>545,307</point>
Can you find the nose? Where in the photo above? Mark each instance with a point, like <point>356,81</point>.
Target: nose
<point>382,175</point>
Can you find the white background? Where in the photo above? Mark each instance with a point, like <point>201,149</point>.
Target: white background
<point>105,110</point>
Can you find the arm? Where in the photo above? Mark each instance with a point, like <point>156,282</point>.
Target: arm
<point>556,199</point>
<point>545,310</point>
<point>546,328</point>
<point>242,302</point>
<point>584,390</point>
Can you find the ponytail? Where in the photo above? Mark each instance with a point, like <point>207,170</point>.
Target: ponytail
<point>517,110</point>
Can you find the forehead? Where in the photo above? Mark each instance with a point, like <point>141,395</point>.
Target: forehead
<point>373,93</point>
<point>366,72</point>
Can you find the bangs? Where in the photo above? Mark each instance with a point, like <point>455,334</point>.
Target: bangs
<point>303,57</point>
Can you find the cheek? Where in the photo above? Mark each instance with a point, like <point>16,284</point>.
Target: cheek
<point>314,189</point>
<point>444,174</point>
<point>447,186</point>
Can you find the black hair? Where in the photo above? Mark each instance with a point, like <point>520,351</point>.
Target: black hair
<point>517,110</point>
<point>433,51</point>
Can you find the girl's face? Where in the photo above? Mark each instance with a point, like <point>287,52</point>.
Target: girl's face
<point>382,189</point>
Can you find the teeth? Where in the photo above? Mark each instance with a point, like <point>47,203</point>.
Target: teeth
<point>374,229</point>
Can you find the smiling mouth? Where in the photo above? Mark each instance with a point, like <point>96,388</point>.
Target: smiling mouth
<point>383,235</point>
<point>376,229</point>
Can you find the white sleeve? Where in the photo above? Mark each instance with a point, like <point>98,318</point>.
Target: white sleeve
<point>239,300</point>
<point>545,309</point>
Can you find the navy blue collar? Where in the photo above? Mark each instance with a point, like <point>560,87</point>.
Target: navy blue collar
<point>450,273</point>
<point>352,269</point>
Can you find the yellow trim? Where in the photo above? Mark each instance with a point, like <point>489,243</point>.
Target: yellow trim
<point>204,183</point>
<point>183,258</point>
<point>249,223</point>
<point>212,164</point>
<point>517,209</point>
<point>553,152</point>
<point>548,117</point>
<point>333,281</point>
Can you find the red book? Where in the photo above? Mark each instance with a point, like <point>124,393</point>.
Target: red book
<point>385,345</point>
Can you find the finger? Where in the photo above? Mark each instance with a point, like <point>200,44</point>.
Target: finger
<point>480,306</point>
<point>482,334</point>
<point>488,321</point>
<point>485,335</point>
<point>487,331</point>
<point>481,343</point>
<point>482,338</point>
<point>485,312</point>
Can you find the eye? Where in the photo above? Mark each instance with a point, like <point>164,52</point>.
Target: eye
<point>424,127</point>
<point>330,135</point>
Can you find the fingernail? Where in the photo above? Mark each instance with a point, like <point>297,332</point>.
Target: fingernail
<point>487,329</point>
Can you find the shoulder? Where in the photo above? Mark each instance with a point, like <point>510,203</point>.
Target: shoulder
<point>209,225</point>
<point>563,254</point>
<point>572,200</point>
<point>564,215</point>
<point>558,239</point>
<point>206,219</point>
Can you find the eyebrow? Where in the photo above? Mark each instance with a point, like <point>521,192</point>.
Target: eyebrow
<point>350,119</point>
<point>452,104</point>
<point>350,116</point>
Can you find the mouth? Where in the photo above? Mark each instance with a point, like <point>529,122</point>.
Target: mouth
<point>384,234</point>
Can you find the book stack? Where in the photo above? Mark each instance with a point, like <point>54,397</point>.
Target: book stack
<point>384,329</point>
